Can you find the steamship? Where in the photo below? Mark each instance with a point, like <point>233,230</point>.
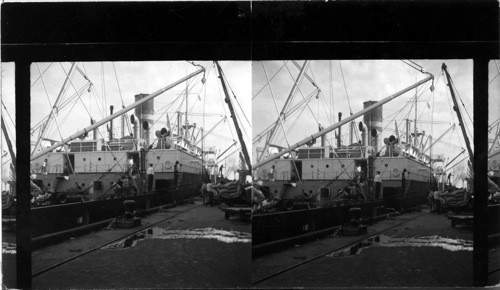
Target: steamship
<point>95,166</point>
<point>82,178</point>
<point>310,185</point>
<point>332,169</point>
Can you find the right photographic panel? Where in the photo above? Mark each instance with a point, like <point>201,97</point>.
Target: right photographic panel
<point>363,172</point>
<point>493,203</point>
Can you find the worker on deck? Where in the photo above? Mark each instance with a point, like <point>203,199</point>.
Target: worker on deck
<point>271,173</point>
<point>378,185</point>
<point>44,166</point>
<point>150,173</point>
<point>126,185</point>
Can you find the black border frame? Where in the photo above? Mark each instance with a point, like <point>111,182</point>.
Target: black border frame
<point>39,32</point>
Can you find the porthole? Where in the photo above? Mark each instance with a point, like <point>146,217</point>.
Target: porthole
<point>328,165</point>
<point>114,158</point>
<point>158,157</point>
<point>342,165</point>
<point>386,164</point>
<point>312,165</point>
<point>99,159</point>
<point>84,159</point>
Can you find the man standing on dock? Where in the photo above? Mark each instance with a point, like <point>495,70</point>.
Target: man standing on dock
<point>378,184</point>
<point>150,173</point>
<point>403,181</point>
<point>176,173</point>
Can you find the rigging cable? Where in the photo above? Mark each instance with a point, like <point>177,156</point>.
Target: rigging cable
<point>345,88</point>
<point>498,74</point>
<point>234,96</point>
<point>127,120</point>
<point>35,81</point>
<point>284,63</point>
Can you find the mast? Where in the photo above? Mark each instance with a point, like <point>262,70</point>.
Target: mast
<point>233,116</point>
<point>343,122</point>
<point>285,106</point>
<point>415,122</point>
<point>119,113</point>
<point>49,119</point>
<point>460,120</point>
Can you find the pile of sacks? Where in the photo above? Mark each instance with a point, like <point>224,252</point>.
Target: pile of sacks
<point>229,191</point>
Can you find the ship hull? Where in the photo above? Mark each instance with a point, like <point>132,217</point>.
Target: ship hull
<point>55,218</point>
<point>322,180</point>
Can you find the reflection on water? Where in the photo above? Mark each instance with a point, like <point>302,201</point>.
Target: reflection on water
<point>205,233</point>
<point>8,248</point>
<point>386,241</point>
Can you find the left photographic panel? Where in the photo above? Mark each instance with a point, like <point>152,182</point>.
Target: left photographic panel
<point>8,174</point>
<point>140,176</point>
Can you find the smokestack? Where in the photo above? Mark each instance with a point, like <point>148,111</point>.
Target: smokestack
<point>144,114</point>
<point>339,140</point>
<point>373,121</point>
<point>364,134</point>
<point>111,123</point>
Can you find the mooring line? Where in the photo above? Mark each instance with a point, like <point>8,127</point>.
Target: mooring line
<point>262,279</point>
<point>107,243</point>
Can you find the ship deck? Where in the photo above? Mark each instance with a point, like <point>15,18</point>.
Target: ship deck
<point>418,249</point>
<point>191,245</point>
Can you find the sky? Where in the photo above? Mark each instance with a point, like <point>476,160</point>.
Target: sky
<point>135,78</point>
<point>364,80</point>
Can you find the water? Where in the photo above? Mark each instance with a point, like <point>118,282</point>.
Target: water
<point>386,241</point>
<point>8,248</point>
<point>204,233</point>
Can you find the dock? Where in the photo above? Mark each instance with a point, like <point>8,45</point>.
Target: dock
<point>191,245</point>
<point>418,249</point>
